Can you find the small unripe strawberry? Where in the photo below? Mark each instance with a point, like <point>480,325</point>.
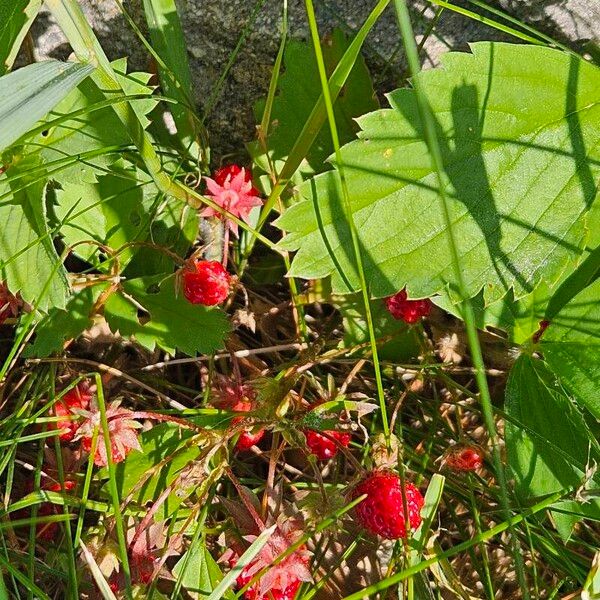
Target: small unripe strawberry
<point>464,457</point>
<point>207,283</point>
<point>409,311</point>
<point>248,437</point>
<point>382,511</point>
<point>322,446</point>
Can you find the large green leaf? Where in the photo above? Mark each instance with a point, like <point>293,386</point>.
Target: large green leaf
<point>28,260</point>
<point>171,322</point>
<point>571,346</point>
<point>521,153</point>
<point>298,92</point>
<point>548,442</point>
<point>28,94</point>
<point>16,17</point>
<point>121,207</point>
<point>64,324</point>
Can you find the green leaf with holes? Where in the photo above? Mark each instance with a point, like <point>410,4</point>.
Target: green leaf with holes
<point>150,310</point>
<point>521,153</point>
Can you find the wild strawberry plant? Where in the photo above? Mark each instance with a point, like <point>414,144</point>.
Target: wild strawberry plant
<point>362,357</point>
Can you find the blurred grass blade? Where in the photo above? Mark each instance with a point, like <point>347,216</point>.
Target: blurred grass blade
<point>256,546</point>
<point>433,497</point>
<point>97,573</point>
<point>16,17</point>
<point>168,41</point>
<point>591,588</point>
<point>30,93</point>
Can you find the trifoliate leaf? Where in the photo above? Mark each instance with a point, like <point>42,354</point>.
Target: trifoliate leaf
<point>169,321</point>
<point>521,154</point>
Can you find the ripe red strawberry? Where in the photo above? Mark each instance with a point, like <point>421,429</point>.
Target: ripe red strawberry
<point>464,457</point>
<point>207,283</point>
<point>65,409</point>
<point>252,593</point>
<point>409,311</point>
<point>248,437</point>
<point>222,174</point>
<point>382,511</point>
<point>322,446</point>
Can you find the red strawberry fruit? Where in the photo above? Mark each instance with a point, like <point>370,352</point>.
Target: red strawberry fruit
<point>207,283</point>
<point>464,457</point>
<point>75,399</point>
<point>409,311</point>
<point>382,511</point>
<point>248,437</point>
<point>323,446</point>
<point>252,593</point>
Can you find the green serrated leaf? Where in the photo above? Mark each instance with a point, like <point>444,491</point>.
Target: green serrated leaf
<point>201,575</point>
<point>28,259</point>
<point>16,17</point>
<point>95,129</point>
<point>28,94</point>
<point>571,346</point>
<point>61,325</point>
<point>520,152</point>
<point>299,91</point>
<point>548,442</point>
<point>162,441</point>
<point>171,323</point>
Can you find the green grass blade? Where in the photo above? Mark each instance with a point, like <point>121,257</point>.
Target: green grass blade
<point>16,17</point>
<point>30,93</point>
<point>318,116</point>
<point>482,537</point>
<point>112,486</point>
<point>256,546</point>
<point>349,217</point>
<point>168,42</point>
<point>468,314</point>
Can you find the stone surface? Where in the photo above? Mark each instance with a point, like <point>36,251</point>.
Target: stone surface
<point>213,28</point>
